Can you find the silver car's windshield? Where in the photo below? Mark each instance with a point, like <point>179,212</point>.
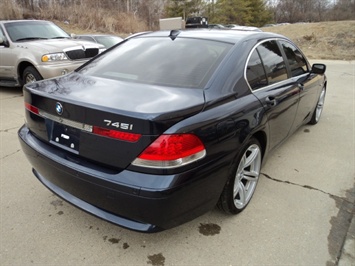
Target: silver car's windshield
<point>34,30</point>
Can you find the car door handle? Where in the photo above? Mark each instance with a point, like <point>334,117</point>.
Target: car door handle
<point>301,86</point>
<point>271,101</point>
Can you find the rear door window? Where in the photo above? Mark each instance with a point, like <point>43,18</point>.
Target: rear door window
<point>256,75</point>
<point>273,61</point>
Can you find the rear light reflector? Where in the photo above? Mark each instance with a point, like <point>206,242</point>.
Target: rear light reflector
<point>125,136</point>
<point>32,108</point>
<point>130,137</point>
<point>170,151</point>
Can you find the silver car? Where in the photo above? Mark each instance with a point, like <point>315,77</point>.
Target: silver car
<point>105,39</point>
<point>32,50</point>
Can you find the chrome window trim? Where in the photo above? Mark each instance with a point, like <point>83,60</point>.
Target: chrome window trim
<point>280,82</point>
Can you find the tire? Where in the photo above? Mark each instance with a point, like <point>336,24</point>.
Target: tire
<point>243,179</point>
<point>319,108</point>
<point>30,75</point>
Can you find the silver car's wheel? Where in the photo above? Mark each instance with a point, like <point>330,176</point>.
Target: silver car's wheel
<point>31,75</point>
<point>244,177</point>
<point>319,108</point>
<point>30,78</point>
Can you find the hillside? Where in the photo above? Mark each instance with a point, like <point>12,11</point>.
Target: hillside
<point>323,40</point>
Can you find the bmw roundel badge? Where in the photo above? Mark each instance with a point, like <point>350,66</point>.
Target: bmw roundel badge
<point>59,108</point>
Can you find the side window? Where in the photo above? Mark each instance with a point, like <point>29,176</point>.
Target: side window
<point>295,59</point>
<point>274,64</point>
<point>255,72</point>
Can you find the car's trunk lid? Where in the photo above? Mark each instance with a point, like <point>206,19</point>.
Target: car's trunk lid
<point>70,108</point>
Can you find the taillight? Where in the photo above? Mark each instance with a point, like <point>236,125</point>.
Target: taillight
<point>170,151</point>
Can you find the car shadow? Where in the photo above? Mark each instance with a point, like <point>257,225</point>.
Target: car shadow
<point>8,92</point>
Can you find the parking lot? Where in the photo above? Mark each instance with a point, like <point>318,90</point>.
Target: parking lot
<point>300,213</point>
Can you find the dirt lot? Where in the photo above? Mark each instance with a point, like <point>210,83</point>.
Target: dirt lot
<point>324,40</point>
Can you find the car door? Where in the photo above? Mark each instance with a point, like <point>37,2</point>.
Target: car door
<point>6,58</point>
<point>268,78</point>
<point>308,84</point>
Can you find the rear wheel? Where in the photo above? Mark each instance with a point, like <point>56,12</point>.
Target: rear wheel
<point>319,108</point>
<point>242,182</point>
<point>31,75</point>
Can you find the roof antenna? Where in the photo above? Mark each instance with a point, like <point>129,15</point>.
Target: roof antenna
<point>173,34</point>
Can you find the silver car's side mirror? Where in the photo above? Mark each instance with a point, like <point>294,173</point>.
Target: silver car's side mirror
<point>4,42</point>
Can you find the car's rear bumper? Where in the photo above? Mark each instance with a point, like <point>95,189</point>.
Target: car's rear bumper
<point>155,205</point>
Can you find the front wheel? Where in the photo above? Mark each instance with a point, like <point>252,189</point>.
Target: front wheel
<point>31,75</point>
<point>318,109</point>
<point>242,182</point>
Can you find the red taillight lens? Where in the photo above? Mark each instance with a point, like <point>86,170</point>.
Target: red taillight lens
<point>130,137</point>
<point>170,151</point>
<point>172,147</point>
<point>32,108</point>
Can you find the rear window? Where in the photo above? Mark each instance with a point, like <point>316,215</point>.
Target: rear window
<point>182,62</point>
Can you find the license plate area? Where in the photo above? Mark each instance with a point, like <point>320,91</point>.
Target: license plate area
<point>66,137</point>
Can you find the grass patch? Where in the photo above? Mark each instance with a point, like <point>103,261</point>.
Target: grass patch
<point>322,40</point>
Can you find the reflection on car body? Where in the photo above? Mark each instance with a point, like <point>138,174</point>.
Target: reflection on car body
<point>157,132</point>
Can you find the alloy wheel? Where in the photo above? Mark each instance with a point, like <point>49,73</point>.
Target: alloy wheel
<point>30,78</point>
<point>247,176</point>
<point>320,105</point>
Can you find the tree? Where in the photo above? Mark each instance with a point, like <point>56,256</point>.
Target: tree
<point>259,13</point>
<point>301,10</point>
<point>343,9</point>
<point>150,11</point>
<point>242,12</point>
<point>321,7</point>
<point>232,11</point>
<point>185,8</point>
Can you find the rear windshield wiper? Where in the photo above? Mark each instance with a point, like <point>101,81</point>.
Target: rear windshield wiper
<point>31,38</point>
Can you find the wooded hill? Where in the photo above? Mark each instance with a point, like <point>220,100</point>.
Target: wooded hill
<point>129,16</point>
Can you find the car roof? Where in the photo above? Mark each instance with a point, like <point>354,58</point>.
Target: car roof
<point>231,36</point>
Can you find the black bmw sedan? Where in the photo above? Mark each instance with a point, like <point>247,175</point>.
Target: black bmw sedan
<point>166,125</point>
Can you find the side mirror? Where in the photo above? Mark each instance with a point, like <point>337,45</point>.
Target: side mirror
<point>4,42</point>
<point>318,69</point>
<point>73,35</point>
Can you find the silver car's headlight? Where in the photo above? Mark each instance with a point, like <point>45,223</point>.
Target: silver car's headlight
<point>54,57</point>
